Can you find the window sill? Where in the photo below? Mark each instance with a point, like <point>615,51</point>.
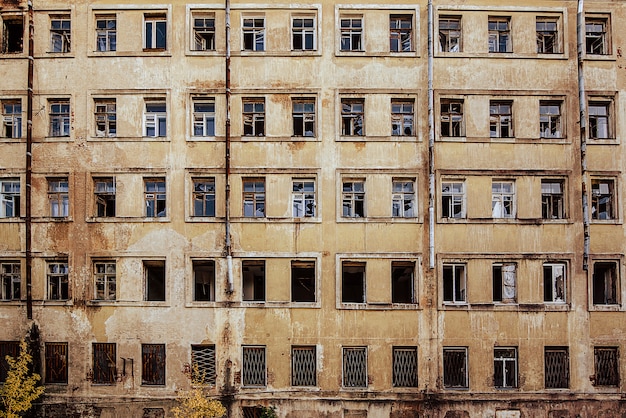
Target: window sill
<point>598,57</point>
<point>48,302</point>
<point>371,138</point>
<point>13,219</point>
<point>59,219</point>
<point>128,303</point>
<point>13,55</point>
<point>367,54</point>
<point>605,222</point>
<point>605,308</point>
<point>373,306</point>
<point>203,219</point>
<point>50,54</point>
<point>508,55</point>
<point>461,306</point>
<point>603,141</point>
<point>12,140</point>
<point>67,138</point>
<point>250,219</point>
<point>128,139</point>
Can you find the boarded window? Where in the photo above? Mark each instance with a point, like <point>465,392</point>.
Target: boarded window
<point>455,368</point>
<point>606,361</point>
<point>254,368</point>
<point>303,366</point>
<point>7,348</point>
<point>405,366</point>
<point>303,281</point>
<point>355,367</point>
<point>56,362</point>
<point>203,363</point>
<point>104,361</point>
<point>556,368</point>
<point>153,364</point>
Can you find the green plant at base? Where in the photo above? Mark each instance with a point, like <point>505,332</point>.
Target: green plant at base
<point>268,412</point>
<point>20,389</point>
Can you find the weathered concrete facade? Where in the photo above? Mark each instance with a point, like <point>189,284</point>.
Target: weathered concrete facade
<point>315,154</point>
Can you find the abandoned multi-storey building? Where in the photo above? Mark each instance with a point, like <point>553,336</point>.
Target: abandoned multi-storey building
<point>337,209</point>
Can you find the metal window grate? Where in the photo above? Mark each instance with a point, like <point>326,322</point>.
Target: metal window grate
<point>556,368</point>
<point>56,362</point>
<point>203,363</point>
<point>355,367</point>
<point>7,348</point>
<point>606,366</point>
<point>303,366</point>
<point>455,368</point>
<point>153,364</point>
<point>104,359</point>
<point>251,412</point>
<point>253,366</point>
<point>405,366</point>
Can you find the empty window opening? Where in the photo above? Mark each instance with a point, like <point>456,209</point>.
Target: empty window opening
<point>353,199</point>
<point>204,197</point>
<point>203,32</point>
<point>106,118</point>
<point>454,283</point>
<point>552,199</point>
<point>303,198</point>
<point>504,283</point>
<point>254,197</point>
<point>55,362</point>
<point>605,283</point>
<point>606,366</point>
<point>60,33</point>
<point>11,119</point>
<point>352,117</point>
<point>354,367</point>
<point>554,283</point>
<point>556,368</point>
<point>59,118</point>
<point>303,34</point>
<point>154,271</point>
<point>602,199</point>
<point>455,372</point>
<point>9,198</point>
<point>403,282</point>
<point>405,367</point>
<point>155,31</point>
<point>303,112</point>
<point>155,119</point>
<point>303,366</point>
<point>503,199</point>
<point>452,118</point>
<point>550,123</point>
<point>10,280</point>
<point>203,364</point>
<point>402,117</point>
<point>253,371</point>
<point>500,34</point>
<point>600,120</point>
<point>7,348</point>
<point>596,36</point>
<point>104,192</point>
<point>403,198</point>
<point>153,364</point>
<point>253,278</point>
<point>155,197</point>
<point>352,282</point>
<point>450,33</point>
<point>351,34</point>
<point>500,120</point>
<point>254,34</point>
<point>203,117</point>
<point>104,360</point>
<point>401,33</point>
<point>106,33</point>
<point>204,280</point>
<point>105,280</point>
<point>505,368</point>
<point>453,199</point>
<point>57,277</point>
<point>253,117</point>
<point>547,35</point>
<point>12,34</point>
<point>303,281</point>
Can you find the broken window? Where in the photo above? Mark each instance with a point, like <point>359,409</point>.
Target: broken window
<point>452,118</point>
<point>203,364</point>
<point>154,271</point>
<point>203,32</point>
<point>203,116</point>
<point>500,119</point>
<point>505,367</point>
<point>303,366</point>
<point>204,196</point>
<point>104,192</point>
<point>106,118</point>
<point>602,199</point>
<point>105,280</point>
<point>600,119</point>
<point>12,34</point>
<point>454,283</point>
<point>605,283</point>
<point>253,280</point>
<point>597,36</point>
<point>353,199</point>
<point>352,282</point>
<point>401,33</point>
<point>547,35</point>
<point>500,34</point>
<point>503,199</point>
<point>303,34</point>
<point>11,119</point>
<point>59,118</point>
<point>56,362</point>
<point>550,124</point>
<point>57,280</point>
<point>403,198</point>
<point>552,199</point>
<point>354,367</point>
<point>203,280</point>
<point>155,119</point>
<point>303,281</point>
<point>402,117</point>
<point>254,197</point>
<point>402,282</point>
<point>450,33</point>
<point>556,367</point>
<point>453,199</point>
<point>504,282</point>
<point>60,33</point>
<point>153,364</point>
<point>254,34</point>
<point>9,198</point>
<point>58,196</point>
<point>104,363</point>
<point>155,197</point>
<point>7,348</point>
<point>155,31</point>
<point>254,117</point>
<point>351,34</point>
<point>253,366</point>
<point>404,367</point>
<point>106,33</point>
<point>606,366</point>
<point>11,280</point>
<point>554,283</point>
<point>303,112</point>
<point>455,373</point>
<point>303,198</point>
<point>352,117</point>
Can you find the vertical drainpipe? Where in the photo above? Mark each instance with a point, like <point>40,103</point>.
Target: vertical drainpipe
<point>431,143</point>
<point>29,161</point>
<point>582,103</point>
<point>229,252</point>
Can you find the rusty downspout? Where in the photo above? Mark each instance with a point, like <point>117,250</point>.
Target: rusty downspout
<point>29,161</point>
<point>431,143</point>
<point>228,244</point>
<point>582,104</point>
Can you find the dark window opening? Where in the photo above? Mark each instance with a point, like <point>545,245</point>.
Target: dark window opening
<point>402,282</point>
<point>153,364</point>
<point>56,362</point>
<point>605,278</point>
<point>353,282</point>
<point>454,283</point>
<point>105,197</point>
<point>303,281</point>
<point>12,35</point>
<point>204,280</point>
<point>253,280</point>
<point>155,280</point>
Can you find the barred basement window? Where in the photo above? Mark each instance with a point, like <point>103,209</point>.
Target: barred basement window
<point>556,368</point>
<point>203,363</point>
<point>355,367</point>
<point>253,366</point>
<point>405,366</point>
<point>56,362</point>
<point>153,364</point>
<point>104,360</point>
<point>606,364</point>
<point>7,348</point>
<point>455,371</point>
<point>303,366</point>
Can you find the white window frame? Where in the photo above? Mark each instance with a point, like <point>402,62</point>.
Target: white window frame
<point>603,194</point>
<point>105,280</point>
<point>57,274</point>
<point>452,116</point>
<point>10,197</point>
<point>154,118</point>
<point>498,32</point>
<point>254,197</point>
<point>106,33</point>
<point>253,26</point>
<point>353,117</point>
<point>353,192</point>
<point>152,22</point>
<point>402,36</point>
<point>555,276</point>
<point>458,284</point>
<point>58,197</point>
<point>303,198</point>
<point>502,195</point>
<point>550,119</point>
<point>402,117</point>
<point>253,115</point>
<point>501,123</point>
<point>403,198</point>
<point>203,195</point>
<point>198,41</point>
<point>452,195</point>
<point>303,112</point>
<point>154,196</point>
<point>305,32</point>
<point>11,118</point>
<point>506,360</point>
<point>203,124</point>
<point>351,34</point>
<point>105,114</point>
<point>60,33</point>
<point>600,114</point>
<point>60,111</point>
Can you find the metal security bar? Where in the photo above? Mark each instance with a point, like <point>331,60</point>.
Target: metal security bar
<point>253,372</point>
<point>153,364</point>
<point>557,368</point>
<point>355,367</point>
<point>606,366</point>
<point>203,363</point>
<point>56,362</point>
<point>455,368</point>
<point>104,359</point>
<point>405,366</point>
<point>303,366</point>
<point>7,348</point>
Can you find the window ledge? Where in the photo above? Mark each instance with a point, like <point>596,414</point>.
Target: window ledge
<point>603,141</point>
<point>11,302</point>
<point>49,302</point>
<point>377,306</point>
<point>57,55</point>
<point>12,140</point>
<point>246,219</point>
<point>605,308</point>
<point>53,219</point>
<point>67,138</point>
<point>203,219</point>
<point>12,220</point>
<point>509,55</point>
<point>128,303</point>
<point>594,57</point>
<point>605,221</point>
<point>13,55</point>
<point>377,138</point>
<point>128,139</point>
<point>155,219</point>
